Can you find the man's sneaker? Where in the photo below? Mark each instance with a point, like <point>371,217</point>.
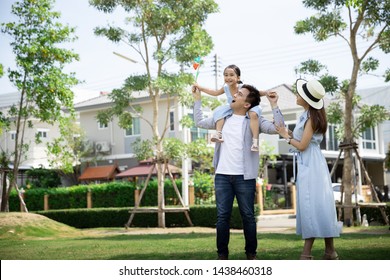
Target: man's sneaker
<point>251,257</point>
<point>217,137</point>
<point>222,257</point>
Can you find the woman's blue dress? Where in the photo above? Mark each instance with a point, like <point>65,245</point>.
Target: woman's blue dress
<point>316,210</point>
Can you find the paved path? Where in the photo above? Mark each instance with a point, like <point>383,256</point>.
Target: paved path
<point>267,223</point>
<point>276,223</point>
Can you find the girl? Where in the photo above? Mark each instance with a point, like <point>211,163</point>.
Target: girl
<point>232,84</point>
<point>316,210</point>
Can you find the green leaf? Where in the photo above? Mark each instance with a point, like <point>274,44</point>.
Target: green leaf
<point>43,86</point>
<point>163,32</point>
<point>370,64</point>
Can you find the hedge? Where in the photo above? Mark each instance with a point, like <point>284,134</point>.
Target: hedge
<point>201,216</point>
<point>113,194</point>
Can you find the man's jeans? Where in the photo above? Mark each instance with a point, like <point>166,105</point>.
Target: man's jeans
<point>226,188</point>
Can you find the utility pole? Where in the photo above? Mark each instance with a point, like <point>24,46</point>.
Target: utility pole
<point>216,70</point>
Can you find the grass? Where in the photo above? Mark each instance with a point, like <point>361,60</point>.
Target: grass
<point>44,239</point>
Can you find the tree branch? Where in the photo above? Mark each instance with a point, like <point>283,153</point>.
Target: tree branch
<point>374,44</point>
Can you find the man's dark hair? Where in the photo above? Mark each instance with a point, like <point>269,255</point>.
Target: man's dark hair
<point>253,96</point>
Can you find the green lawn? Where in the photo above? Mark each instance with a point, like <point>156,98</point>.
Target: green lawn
<point>44,239</point>
<point>191,246</point>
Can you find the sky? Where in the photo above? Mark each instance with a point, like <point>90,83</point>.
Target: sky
<point>257,36</point>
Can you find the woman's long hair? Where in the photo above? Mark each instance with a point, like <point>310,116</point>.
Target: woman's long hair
<point>318,120</point>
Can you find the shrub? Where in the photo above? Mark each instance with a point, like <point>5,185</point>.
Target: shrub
<point>204,187</point>
<point>43,178</point>
<point>112,194</point>
<point>201,216</point>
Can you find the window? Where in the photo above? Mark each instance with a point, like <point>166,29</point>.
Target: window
<point>196,132</point>
<point>102,125</point>
<point>290,127</point>
<point>172,121</point>
<point>43,133</point>
<point>135,128</point>
<point>368,139</point>
<point>12,135</point>
<point>333,142</point>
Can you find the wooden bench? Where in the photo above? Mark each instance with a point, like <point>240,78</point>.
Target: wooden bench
<point>363,204</point>
<point>372,204</point>
<point>380,205</point>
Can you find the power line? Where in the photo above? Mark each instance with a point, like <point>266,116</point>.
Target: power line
<point>260,60</point>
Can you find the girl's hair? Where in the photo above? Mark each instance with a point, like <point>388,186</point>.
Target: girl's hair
<point>236,70</point>
<point>318,120</point>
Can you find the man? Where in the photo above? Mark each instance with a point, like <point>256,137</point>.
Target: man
<point>236,167</point>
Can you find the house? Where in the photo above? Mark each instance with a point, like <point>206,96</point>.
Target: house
<point>36,155</point>
<point>147,168</point>
<point>99,174</point>
<point>379,95</point>
<point>112,143</point>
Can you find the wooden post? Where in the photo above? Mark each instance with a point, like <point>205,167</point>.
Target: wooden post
<point>21,205</point>
<point>191,195</point>
<point>293,197</point>
<point>89,199</point>
<point>46,202</point>
<point>260,198</point>
<point>136,197</point>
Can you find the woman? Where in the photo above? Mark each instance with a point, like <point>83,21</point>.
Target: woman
<point>316,210</point>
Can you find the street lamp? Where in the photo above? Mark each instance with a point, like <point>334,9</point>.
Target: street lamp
<point>125,57</point>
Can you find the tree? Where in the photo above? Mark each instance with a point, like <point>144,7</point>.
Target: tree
<point>366,20</point>
<point>201,154</point>
<point>68,152</point>
<point>2,119</point>
<point>267,155</point>
<point>44,88</point>
<point>162,32</point>
<point>42,178</point>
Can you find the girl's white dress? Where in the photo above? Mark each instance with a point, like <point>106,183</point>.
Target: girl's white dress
<point>224,110</point>
<point>316,210</point>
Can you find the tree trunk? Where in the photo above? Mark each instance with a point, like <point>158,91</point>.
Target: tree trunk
<point>160,195</point>
<point>347,185</point>
<point>347,180</point>
<point>159,159</point>
<point>18,151</point>
<point>4,188</point>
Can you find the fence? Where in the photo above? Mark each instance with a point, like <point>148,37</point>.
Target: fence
<point>46,198</point>
<point>260,202</point>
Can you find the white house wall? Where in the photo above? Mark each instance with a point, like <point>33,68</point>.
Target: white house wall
<point>120,143</point>
<point>36,155</point>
